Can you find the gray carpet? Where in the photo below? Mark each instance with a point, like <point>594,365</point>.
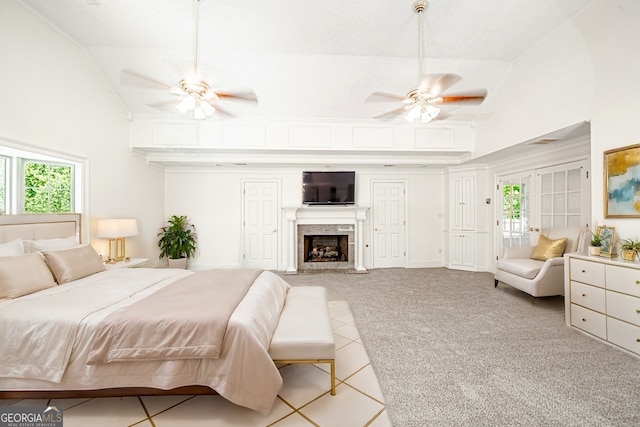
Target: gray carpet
<point>449,349</point>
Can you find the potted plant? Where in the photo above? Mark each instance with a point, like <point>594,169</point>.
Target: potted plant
<point>595,244</point>
<point>630,249</point>
<point>177,241</point>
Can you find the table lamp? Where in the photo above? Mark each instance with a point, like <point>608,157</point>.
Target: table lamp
<point>116,230</point>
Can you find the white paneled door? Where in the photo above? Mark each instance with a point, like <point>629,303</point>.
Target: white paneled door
<point>389,224</point>
<point>261,224</point>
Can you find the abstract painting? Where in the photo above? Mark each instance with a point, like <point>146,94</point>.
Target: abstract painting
<point>622,182</point>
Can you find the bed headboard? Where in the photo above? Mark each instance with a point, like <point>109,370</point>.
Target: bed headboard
<point>40,226</point>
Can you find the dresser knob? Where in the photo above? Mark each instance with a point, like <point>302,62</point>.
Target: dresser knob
<point>637,282</point>
<point>584,271</point>
<point>584,320</point>
<point>584,295</point>
<point>637,339</point>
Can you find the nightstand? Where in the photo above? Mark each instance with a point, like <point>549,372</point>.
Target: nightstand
<point>133,262</point>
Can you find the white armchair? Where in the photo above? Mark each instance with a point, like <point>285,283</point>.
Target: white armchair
<point>539,278</point>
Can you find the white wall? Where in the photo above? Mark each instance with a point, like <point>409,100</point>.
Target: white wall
<point>547,89</point>
<point>54,99</point>
<point>588,70</point>
<point>612,32</point>
<point>212,199</point>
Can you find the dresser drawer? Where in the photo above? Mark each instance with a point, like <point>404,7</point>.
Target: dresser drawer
<point>587,272</point>
<point>623,307</point>
<point>623,334</point>
<point>588,296</point>
<point>623,279</point>
<point>589,321</point>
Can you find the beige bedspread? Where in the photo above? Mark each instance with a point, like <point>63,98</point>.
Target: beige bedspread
<point>49,335</point>
<point>184,320</point>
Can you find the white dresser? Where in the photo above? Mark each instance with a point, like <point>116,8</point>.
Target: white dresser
<point>602,297</point>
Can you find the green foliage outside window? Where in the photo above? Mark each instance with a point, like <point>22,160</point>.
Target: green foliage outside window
<point>47,187</point>
<point>511,198</point>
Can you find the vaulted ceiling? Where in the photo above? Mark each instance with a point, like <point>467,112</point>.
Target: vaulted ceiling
<point>304,59</point>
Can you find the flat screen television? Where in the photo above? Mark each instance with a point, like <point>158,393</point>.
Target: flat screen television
<point>328,188</point>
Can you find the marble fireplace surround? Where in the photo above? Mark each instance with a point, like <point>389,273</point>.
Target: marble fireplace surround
<point>347,220</point>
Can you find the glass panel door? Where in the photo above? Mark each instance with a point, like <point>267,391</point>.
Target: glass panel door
<point>514,222</point>
<point>563,195</point>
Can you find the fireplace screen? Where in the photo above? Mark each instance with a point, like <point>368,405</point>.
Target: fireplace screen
<point>326,248</point>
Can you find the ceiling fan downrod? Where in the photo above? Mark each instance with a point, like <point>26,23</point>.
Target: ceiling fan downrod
<point>419,7</point>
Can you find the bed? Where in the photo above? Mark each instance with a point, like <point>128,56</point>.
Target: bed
<point>140,331</point>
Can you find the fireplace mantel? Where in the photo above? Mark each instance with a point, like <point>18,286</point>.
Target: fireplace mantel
<point>325,215</point>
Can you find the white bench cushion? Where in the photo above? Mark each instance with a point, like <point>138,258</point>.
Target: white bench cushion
<point>304,330</point>
<point>523,267</point>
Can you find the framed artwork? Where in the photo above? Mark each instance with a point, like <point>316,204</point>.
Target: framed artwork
<point>622,182</point>
<point>607,238</point>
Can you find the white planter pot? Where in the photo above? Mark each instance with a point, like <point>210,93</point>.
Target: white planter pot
<point>178,263</point>
<point>594,250</point>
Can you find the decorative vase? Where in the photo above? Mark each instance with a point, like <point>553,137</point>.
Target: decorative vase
<point>594,250</point>
<point>628,254</point>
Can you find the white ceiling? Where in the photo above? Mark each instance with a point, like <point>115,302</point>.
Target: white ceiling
<point>305,59</point>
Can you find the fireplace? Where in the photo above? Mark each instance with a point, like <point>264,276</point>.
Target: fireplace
<point>342,225</point>
<point>325,246</point>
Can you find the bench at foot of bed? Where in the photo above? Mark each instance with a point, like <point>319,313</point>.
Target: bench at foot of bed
<point>304,333</point>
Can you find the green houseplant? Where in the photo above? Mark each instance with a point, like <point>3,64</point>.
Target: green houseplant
<point>177,240</point>
<point>630,249</point>
<point>595,244</point>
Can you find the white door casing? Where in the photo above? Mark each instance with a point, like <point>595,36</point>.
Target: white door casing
<point>389,224</point>
<point>260,224</point>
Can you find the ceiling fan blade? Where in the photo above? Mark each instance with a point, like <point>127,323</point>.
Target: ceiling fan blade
<point>220,109</point>
<point>385,97</point>
<point>133,78</point>
<point>391,114</point>
<point>435,84</point>
<point>246,95</point>
<point>473,98</point>
<point>168,105</point>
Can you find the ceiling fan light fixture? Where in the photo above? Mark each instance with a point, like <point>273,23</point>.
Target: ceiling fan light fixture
<point>187,104</point>
<point>422,110</point>
<point>430,113</point>
<point>202,110</point>
<point>413,113</point>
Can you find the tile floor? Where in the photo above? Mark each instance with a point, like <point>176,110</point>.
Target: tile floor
<point>303,401</point>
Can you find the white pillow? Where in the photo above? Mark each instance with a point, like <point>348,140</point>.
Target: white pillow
<point>72,264</point>
<point>23,275</point>
<point>50,244</point>
<point>13,248</point>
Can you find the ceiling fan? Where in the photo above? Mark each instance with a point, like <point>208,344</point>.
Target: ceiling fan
<point>196,97</point>
<point>423,102</point>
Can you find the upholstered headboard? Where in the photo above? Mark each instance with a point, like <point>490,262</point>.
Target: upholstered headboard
<point>40,226</point>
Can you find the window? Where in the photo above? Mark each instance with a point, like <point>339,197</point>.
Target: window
<point>35,182</point>
<point>47,187</point>
<point>4,179</point>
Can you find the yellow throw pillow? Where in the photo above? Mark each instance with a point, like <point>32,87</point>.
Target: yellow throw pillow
<point>547,248</point>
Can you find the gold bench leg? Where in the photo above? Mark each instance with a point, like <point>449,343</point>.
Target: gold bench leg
<point>331,362</point>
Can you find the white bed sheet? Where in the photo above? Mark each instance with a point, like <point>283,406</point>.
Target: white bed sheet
<point>248,378</point>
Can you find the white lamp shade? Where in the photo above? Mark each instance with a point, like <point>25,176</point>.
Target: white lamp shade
<point>115,228</point>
